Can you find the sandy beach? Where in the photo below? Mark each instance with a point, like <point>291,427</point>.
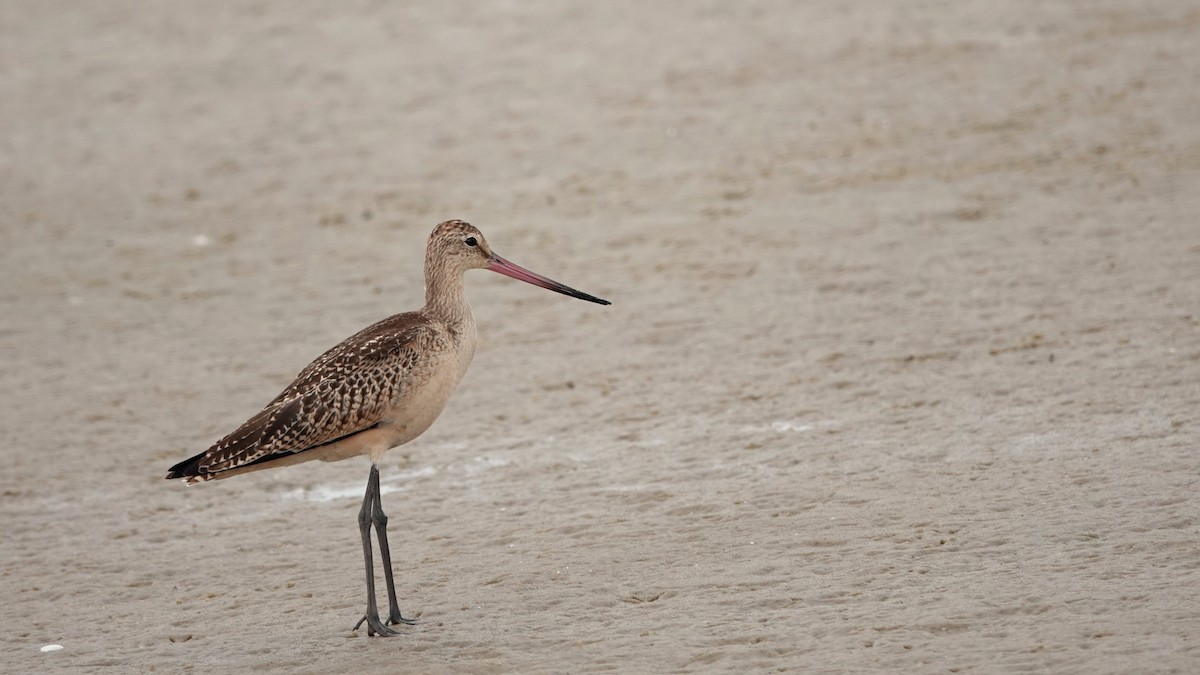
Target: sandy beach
<point>901,374</point>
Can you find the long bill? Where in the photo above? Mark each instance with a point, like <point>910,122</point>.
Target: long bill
<point>498,264</point>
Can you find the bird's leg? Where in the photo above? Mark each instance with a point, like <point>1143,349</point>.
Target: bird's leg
<point>380,519</point>
<point>374,625</point>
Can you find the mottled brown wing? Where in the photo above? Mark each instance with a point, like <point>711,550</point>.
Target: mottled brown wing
<point>345,390</point>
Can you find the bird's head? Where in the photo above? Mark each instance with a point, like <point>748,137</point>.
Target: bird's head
<point>460,246</point>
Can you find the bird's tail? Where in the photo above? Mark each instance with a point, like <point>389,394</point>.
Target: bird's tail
<point>189,469</point>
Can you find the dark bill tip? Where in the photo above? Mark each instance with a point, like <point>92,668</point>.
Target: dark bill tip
<point>508,269</point>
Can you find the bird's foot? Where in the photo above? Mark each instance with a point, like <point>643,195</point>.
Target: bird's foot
<point>395,619</point>
<point>375,626</point>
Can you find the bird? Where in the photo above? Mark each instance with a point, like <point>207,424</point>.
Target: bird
<point>378,389</point>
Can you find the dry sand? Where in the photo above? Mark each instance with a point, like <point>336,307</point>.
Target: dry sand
<point>901,373</point>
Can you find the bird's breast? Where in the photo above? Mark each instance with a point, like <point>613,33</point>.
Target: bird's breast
<point>425,394</point>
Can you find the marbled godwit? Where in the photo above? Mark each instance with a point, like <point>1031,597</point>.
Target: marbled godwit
<point>380,388</point>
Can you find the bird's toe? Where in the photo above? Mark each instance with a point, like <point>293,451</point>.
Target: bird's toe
<point>396,619</point>
<point>375,626</point>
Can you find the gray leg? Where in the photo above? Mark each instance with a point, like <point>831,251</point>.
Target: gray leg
<point>380,521</point>
<point>374,625</point>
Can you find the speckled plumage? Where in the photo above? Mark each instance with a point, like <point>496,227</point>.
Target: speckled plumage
<point>391,378</point>
<point>345,391</point>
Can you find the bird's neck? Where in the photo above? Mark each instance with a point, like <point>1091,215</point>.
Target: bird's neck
<point>445,296</point>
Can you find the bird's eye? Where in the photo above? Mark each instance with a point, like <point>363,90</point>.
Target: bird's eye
<point>470,241</point>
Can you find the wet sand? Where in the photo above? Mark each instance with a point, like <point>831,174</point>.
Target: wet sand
<point>901,373</point>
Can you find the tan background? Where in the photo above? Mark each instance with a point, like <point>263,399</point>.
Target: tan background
<point>902,370</point>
